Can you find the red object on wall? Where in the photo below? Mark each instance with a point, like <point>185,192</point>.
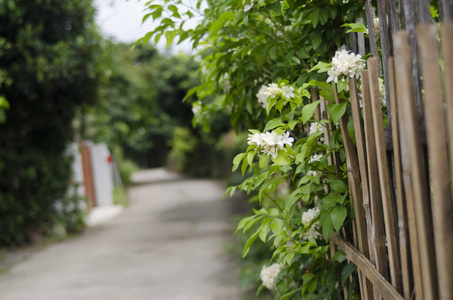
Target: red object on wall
<point>88,175</point>
<point>109,159</point>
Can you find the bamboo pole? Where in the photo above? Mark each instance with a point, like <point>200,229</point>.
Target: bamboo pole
<point>409,25</point>
<point>371,33</point>
<point>446,30</point>
<point>438,156</point>
<point>390,228</point>
<point>363,230</point>
<point>403,80</point>
<point>374,208</point>
<point>401,203</point>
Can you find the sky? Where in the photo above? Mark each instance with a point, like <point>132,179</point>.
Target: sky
<point>122,20</point>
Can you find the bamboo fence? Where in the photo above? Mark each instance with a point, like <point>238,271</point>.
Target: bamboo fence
<point>400,175</point>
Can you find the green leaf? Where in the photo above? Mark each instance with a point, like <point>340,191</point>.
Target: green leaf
<point>309,110</point>
<point>263,231</point>
<point>314,18</point>
<point>277,225</point>
<point>326,225</point>
<point>276,7</point>
<point>3,102</point>
<point>237,160</point>
<point>347,271</point>
<point>355,27</point>
<point>282,158</point>
<point>312,286</point>
<point>273,123</point>
<point>326,89</point>
<point>263,161</point>
<point>338,111</point>
<point>174,10</point>
<point>260,178</point>
<point>249,243</point>
<point>291,200</point>
<point>250,157</point>
<point>324,15</point>
<point>339,186</point>
<point>339,256</point>
<point>337,216</point>
<point>220,22</point>
<point>316,38</point>
<point>289,294</point>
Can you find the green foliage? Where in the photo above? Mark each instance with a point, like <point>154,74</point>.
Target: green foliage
<point>301,198</point>
<point>140,102</point>
<point>182,145</point>
<point>126,167</point>
<point>48,66</point>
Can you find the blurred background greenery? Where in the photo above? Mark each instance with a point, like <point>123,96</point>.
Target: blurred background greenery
<point>60,81</point>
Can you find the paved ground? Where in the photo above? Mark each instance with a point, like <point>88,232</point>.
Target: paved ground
<point>167,244</point>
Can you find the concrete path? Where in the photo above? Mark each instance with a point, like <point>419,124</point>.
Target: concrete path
<point>169,243</point>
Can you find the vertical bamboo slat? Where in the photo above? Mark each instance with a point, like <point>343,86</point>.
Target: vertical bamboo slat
<point>446,30</point>
<point>438,156</point>
<point>402,218</point>
<point>403,80</point>
<point>359,212</point>
<point>409,22</point>
<point>371,34</point>
<point>390,228</point>
<point>414,173</point>
<point>375,207</point>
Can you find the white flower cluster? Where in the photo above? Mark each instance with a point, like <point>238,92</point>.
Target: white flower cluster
<point>307,218</point>
<point>196,106</point>
<point>270,142</point>
<point>315,127</point>
<point>315,157</point>
<point>269,275</point>
<point>272,90</point>
<point>262,96</point>
<point>225,83</point>
<point>346,64</point>
<point>377,29</point>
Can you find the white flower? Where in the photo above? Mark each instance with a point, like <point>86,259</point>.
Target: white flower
<point>312,173</point>
<point>269,275</point>
<point>346,64</point>
<point>270,142</point>
<point>262,96</point>
<point>311,233</point>
<point>377,29</point>
<point>315,127</point>
<point>272,90</point>
<point>288,92</point>
<point>309,215</point>
<point>247,7</point>
<point>307,218</point>
<point>255,139</point>
<point>196,106</point>
<point>315,157</point>
<point>286,140</point>
<point>382,92</point>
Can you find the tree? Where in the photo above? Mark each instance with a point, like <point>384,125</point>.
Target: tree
<point>48,53</point>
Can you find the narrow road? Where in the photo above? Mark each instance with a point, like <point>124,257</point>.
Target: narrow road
<point>169,243</point>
